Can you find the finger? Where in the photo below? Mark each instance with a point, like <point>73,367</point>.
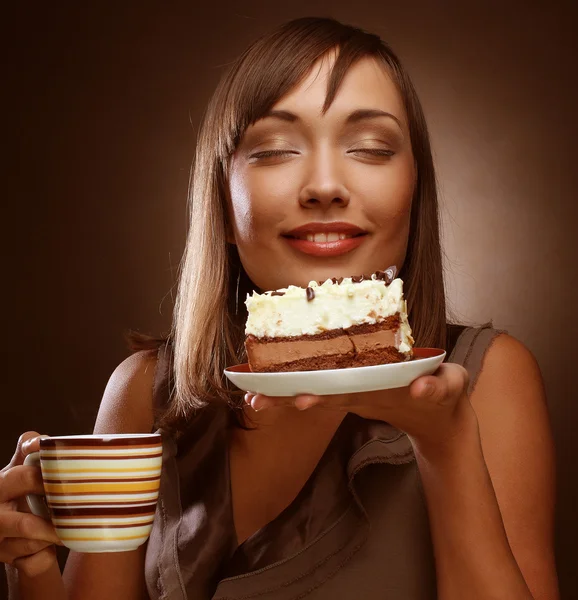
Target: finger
<point>19,454</point>
<point>449,381</point>
<point>15,524</point>
<point>14,548</point>
<point>455,378</point>
<point>261,402</point>
<point>305,401</point>
<point>32,445</point>
<point>424,387</point>
<point>37,564</point>
<point>19,481</point>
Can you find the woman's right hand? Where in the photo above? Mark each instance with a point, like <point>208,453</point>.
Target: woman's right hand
<point>26,541</point>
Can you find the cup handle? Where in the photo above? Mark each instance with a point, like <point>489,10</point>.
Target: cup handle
<point>36,503</point>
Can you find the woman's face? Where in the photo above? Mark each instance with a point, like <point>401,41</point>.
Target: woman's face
<point>315,196</point>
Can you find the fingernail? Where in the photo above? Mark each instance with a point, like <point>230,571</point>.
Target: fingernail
<point>256,405</point>
<point>27,443</point>
<point>305,402</point>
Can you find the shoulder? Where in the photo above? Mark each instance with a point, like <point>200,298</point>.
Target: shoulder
<point>509,392</point>
<point>510,403</point>
<point>509,367</point>
<point>127,402</point>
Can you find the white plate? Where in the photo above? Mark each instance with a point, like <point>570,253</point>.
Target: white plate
<point>338,381</point>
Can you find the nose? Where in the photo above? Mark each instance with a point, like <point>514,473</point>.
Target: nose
<point>324,186</point>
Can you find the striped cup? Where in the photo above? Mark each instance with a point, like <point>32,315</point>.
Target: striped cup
<point>100,490</point>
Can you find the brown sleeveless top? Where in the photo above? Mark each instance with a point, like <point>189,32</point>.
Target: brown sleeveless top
<point>358,528</point>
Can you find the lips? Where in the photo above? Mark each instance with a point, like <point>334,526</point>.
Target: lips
<point>326,239</point>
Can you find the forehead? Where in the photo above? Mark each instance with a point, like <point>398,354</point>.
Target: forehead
<point>366,84</point>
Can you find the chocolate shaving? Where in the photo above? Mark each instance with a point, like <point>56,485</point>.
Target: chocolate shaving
<point>388,275</point>
<point>357,278</point>
<point>391,272</point>
<point>334,280</point>
<point>277,293</point>
<point>310,293</point>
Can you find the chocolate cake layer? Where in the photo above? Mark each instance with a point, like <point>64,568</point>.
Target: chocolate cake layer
<point>379,356</point>
<point>270,356</point>
<point>361,345</point>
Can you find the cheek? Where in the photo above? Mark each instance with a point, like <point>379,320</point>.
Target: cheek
<point>242,208</point>
<point>389,192</point>
<point>258,202</point>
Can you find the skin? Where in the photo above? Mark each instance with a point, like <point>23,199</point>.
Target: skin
<point>486,460</point>
<point>327,170</point>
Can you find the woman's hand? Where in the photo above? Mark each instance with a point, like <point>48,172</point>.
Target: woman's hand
<point>433,410</point>
<point>26,541</point>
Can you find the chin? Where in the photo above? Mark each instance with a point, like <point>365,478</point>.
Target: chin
<point>287,271</point>
<point>302,276</point>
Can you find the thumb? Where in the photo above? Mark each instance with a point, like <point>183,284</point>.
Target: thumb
<point>449,381</point>
<point>427,387</point>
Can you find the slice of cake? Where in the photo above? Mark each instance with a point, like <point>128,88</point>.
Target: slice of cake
<point>339,323</point>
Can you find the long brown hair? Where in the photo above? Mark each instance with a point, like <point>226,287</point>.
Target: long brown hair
<point>207,333</point>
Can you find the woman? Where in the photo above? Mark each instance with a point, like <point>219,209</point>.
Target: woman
<point>443,489</point>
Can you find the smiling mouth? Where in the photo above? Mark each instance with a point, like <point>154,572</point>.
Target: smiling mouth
<point>326,240</point>
<point>323,238</point>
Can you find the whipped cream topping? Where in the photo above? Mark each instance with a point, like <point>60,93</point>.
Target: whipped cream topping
<point>291,311</point>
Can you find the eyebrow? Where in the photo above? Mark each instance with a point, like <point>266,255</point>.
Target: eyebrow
<point>360,114</point>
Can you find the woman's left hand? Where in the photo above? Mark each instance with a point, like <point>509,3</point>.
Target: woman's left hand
<point>434,409</point>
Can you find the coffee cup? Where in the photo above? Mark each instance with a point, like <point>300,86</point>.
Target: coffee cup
<point>100,491</point>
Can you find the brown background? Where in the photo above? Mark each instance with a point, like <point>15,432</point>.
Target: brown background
<point>104,105</point>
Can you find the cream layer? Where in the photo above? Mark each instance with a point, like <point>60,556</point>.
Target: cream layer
<point>289,312</point>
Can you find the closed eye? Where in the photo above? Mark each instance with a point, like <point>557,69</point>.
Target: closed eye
<point>372,152</point>
<point>271,154</point>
